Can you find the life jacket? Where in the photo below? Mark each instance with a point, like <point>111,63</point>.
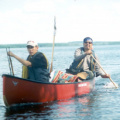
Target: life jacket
<point>24,72</point>
<point>75,67</point>
<point>37,74</point>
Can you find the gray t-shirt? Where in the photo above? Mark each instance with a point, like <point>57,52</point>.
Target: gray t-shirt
<point>79,55</point>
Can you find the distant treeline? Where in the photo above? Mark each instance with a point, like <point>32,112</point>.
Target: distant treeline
<point>76,43</point>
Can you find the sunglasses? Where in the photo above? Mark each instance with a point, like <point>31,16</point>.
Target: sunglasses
<point>30,47</point>
<point>88,42</point>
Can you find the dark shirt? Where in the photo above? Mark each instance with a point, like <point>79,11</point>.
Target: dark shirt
<point>39,61</point>
<point>39,71</point>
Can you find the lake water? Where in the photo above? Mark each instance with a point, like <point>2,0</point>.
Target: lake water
<point>102,104</point>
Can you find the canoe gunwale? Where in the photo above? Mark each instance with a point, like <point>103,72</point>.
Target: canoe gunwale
<point>11,76</point>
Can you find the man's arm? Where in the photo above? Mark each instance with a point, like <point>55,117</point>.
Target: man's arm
<point>78,56</point>
<point>24,62</point>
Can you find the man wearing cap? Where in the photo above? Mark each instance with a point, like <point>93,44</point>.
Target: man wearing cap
<point>84,63</point>
<point>37,64</point>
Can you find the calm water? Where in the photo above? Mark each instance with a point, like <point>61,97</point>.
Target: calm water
<point>102,104</point>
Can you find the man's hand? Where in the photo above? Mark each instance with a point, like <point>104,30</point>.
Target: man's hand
<point>105,76</point>
<point>10,54</point>
<point>88,52</point>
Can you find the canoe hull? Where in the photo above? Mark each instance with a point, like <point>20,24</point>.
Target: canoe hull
<point>17,90</point>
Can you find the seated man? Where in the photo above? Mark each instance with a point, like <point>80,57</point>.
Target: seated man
<point>36,63</point>
<point>83,62</point>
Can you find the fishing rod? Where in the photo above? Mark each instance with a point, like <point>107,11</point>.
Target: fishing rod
<point>10,62</point>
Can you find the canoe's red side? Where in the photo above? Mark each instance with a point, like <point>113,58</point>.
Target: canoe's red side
<point>17,90</point>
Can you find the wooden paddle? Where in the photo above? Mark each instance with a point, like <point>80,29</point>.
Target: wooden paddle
<point>104,71</point>
<point>51,68</point>
<point>82,75</point>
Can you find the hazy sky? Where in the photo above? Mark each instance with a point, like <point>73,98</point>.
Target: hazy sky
<point>23,20</point>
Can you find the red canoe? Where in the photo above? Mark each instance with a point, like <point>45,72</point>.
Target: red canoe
<point>18,90</point>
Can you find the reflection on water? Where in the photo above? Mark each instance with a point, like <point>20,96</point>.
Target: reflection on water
<point>75,107</point>
<point>27,111</point>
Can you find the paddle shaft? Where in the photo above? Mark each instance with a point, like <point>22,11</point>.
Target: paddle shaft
<point>51,68</point>
<point>104,71</point>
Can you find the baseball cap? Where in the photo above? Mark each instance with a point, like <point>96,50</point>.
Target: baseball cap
<point>32,43</point>
<point>88,39</point>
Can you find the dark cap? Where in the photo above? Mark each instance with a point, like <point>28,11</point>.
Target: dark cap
<point>88,39</point>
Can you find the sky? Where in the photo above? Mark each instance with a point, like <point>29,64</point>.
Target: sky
<point>23,20</point>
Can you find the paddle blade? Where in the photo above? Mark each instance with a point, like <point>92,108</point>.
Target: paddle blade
<point>110,85</point>
<point>82,75</point>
